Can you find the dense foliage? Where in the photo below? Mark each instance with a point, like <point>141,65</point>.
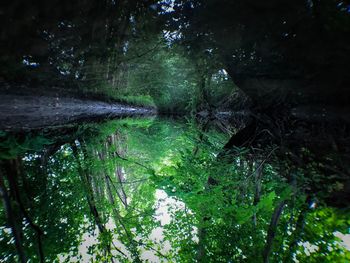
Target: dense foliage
<point>259,172</point>
<point>132,190</point>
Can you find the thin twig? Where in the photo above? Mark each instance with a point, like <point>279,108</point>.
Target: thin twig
<point>262,163</point>
<point>140,164</point>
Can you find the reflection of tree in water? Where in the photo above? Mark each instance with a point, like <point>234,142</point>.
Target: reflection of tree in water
<point>40,194</point>
<point>244,204</point>
<point>76,180</point>
<point>110,195</point>
<point>265,200</point>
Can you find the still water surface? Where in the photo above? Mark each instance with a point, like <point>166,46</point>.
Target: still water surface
<point>158,190</point>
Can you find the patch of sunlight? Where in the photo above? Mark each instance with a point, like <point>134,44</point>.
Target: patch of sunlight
<point>309,248</point>
<point>163,204</point>
<point>345,239</point>
<point>89,240</point>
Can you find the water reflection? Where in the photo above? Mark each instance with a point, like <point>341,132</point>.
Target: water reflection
<point>159,191</point>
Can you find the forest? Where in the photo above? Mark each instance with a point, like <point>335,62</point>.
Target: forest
<point>174,131</point>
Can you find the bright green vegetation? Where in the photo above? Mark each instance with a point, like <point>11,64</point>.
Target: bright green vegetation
<point>138,189</point>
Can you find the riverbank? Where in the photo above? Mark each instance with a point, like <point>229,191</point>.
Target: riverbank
<point>34,112</point>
